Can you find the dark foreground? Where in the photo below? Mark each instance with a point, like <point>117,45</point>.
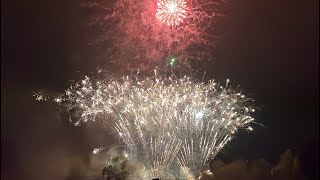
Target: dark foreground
<point>288,168</point>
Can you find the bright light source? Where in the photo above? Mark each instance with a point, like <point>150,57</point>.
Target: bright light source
<point>199,115</point>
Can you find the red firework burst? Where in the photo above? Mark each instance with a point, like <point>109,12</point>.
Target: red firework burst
<point>171,12</point>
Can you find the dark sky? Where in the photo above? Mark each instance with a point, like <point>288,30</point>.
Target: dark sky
<point>269,47</point>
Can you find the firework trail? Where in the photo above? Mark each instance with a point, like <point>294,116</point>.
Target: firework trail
<point>161,119</point>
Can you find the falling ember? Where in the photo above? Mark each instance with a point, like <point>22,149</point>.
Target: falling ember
<point>171,12</point>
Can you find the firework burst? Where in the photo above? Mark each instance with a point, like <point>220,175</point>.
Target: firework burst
<point>214,115</point>
<point>171,12</point>
<point>145,33</point>
<point>161,119</point>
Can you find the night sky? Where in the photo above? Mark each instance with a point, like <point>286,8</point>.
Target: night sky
<point>269,48</point>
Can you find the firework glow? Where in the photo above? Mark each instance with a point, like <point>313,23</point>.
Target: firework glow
<point>161,120</point>
<point>171,12</point>
<point>146,33</point>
